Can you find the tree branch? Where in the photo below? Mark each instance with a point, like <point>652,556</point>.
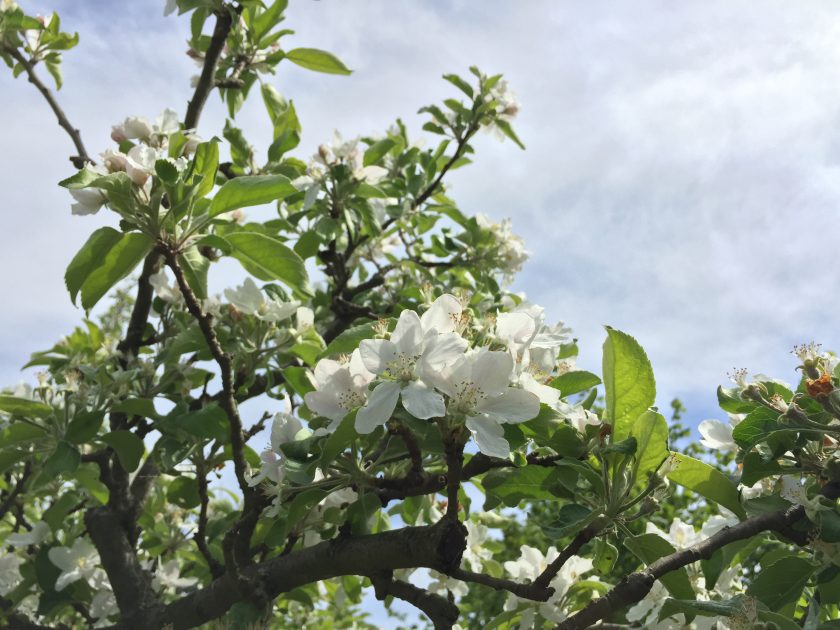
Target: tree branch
<point>633,588</point>
<point>437,547</point>
<point>583,537</point>
<point>78,160</point>
<point>207,80</point>
<point>440,611</point>
<point>227,400</point>
<point>526,591</point>
<point>131,583</point>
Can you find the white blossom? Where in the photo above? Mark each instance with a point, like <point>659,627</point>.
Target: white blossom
<point>249,299</point>
<point>414,349</point>
<point>717,435</point>
<point>167,292</point>
<point>88,201</point>
<point>79,562</point>
<point>478,387</point>
<point>340,387</point>
<point>36,536</point>
<point>168,575</point>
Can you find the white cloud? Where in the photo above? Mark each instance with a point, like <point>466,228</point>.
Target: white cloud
<point>679,183</point>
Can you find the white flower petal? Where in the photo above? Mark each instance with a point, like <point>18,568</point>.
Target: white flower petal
<point>513,405</point>
<point>422,402</point>
<point>442,350</point>
<point>379,409</point>
<point>716,435</point>
<point>491,371</point>
<point>377,354</point>
<point>489,436</point>
<point>442,314</point>
<point>408,333</point>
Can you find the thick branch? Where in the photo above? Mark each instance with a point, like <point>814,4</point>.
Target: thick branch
<point>131,583</point>
<point>440,611</point>
<point>207,80</point>
<point>133,339</point>
<point>78,160</point>
<point>633,588</point>
<point>437,547</point>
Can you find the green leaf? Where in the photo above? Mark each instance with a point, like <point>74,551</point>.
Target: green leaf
<point>730,400</point>
<point>574,382</point>
<point>209,422</point>
<point>120,260</point>
<point>183,492</point>
<point>88,477</point>
<point>507,130</point>
<point>144,407</point>
<point>308,244</point>
<point>205,163</point>
<point>628,382</point>
<point>269,259</point>
<point>84,426</point>
<point>378,150</point>
<point>89,257</point>
<point>757,426</point>
<point>24,407</point>
<point>530,482</point>
<point>719,608</point>
<point>782,582</point>
<point>571,518</point>
<point>64,460</point>
<point>252,190</point>
<point>651,433</point>
<point>19,432</point>
<point>195,267</point>
<point>459,83</point>
<point>350,339</point>
<point>298,380</point>
<point>129,448</point>
<point>755,468</point>
<point>317,60</point>
<point>339,439</point>
<point>650,547</point>
<point>706,481</point>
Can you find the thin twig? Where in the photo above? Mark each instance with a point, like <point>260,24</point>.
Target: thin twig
<point>78,160</point>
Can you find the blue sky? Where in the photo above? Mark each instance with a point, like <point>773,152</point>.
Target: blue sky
<point>680,183</point>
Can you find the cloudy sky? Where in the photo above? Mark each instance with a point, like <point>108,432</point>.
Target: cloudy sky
<point>680,182</point>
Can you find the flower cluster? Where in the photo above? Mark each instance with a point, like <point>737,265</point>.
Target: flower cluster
<point>428,366</point>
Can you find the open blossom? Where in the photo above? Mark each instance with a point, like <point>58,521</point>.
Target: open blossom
<point>340,387</point>
<point>140,163</point>
<point>248,299</point>
<point>579,417</point>
<point>478,387</point>
<point>528,567</point>
<point>718,435</point>
<point>167,292</point>
<point>285,428</point>
<point>415,348</point>
<point>103,605</point>
<point>139,128</point>
<point>511,248</point>
<point>168,575</point>
<point>347,152</point>
<point>36,536</point>
<point>88,201</point>
<point>79,562</point>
